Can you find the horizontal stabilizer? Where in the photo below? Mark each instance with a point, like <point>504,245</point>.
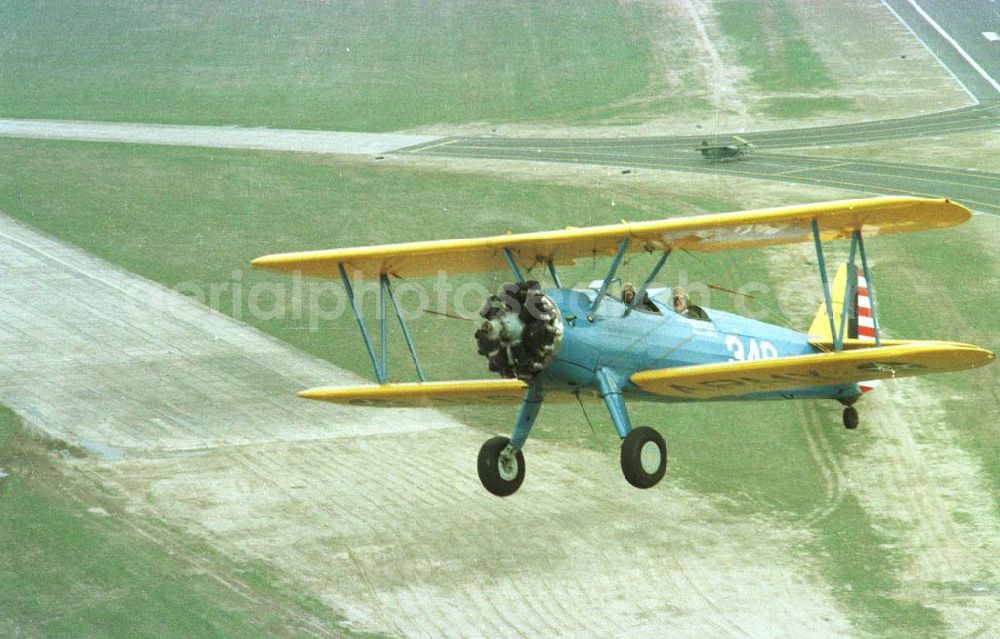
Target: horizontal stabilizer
<point>480,391</point>
<point>729,379</point>
<point>717,232</point>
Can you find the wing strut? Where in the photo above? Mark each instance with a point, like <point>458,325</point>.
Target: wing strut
<point>402,325</point>
<point>552,272</point>
<point>837,342</point>
<point>512,263</point>
<point>641,293</point>
<point>871,286</point>
<point>379,374</point>
<point>851,286</point>
<point>380,364</point>
<point>857,246</point>
<point>622,247</point>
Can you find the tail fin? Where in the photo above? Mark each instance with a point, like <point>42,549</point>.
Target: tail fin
<point>860,324</point>
<point>820,328</point>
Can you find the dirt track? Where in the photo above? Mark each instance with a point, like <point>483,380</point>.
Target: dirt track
<point>379,514</point>
<point>916,483</point>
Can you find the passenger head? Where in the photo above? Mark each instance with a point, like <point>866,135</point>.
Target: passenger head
<point>628,292</point>
<point>680,299</point>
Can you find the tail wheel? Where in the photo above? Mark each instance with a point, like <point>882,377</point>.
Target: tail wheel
<point>521,331</point>
<point>851,419</point>
<point>644,457</point>
<point>501,468</point>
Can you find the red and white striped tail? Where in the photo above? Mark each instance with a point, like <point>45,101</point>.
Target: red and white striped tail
<point>866,324</point>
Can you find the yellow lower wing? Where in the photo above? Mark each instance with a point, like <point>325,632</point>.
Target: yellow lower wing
<point>480,391</point>
<point>711,381</point>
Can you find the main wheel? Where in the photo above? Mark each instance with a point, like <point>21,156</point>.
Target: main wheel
<point>501,468</point>
<point>851,419</point>
<point>644,457</point>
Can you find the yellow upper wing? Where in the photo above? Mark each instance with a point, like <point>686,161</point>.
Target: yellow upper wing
<point>710,381</point>
<point>723,231</point>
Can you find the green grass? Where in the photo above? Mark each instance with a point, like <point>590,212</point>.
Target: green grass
<point>862,572</point>
<point>190,215</point>
<point>769,41</point>
<point>68,572</point>
<point>358,65</point>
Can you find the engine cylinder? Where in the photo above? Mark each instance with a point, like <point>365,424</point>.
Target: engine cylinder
<point>521,331</point>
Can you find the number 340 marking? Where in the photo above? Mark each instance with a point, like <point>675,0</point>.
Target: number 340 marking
<point>762,349</point>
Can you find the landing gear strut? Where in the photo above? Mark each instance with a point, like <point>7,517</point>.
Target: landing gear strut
<point>501,462</point>
<point>643,453</point>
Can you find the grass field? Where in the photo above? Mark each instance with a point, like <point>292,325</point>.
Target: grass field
<point>185,215</point>
<point>389,65</point>
<point>343,66</point>
<point>74,565</point>
<point>791,64</point>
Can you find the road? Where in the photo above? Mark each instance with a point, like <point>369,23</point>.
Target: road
<point>979,190</point>
<point>954,32</point>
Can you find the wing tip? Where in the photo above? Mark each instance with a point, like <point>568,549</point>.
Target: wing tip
<point>271,262</point>
<point>314,393</point>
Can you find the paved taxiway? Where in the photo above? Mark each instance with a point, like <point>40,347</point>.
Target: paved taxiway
<point>954,34</point>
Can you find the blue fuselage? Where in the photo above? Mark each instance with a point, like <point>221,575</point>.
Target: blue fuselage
<point>645,340</point>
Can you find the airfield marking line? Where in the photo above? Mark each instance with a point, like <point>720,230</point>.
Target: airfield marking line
<point>816,168</point>
<point>913,178</point>
<point>896,133</point>
<point>906,172</point>
<point>949,171</point>
<point>422,149</point>
<point>975,65</point>
<point>931,51</point>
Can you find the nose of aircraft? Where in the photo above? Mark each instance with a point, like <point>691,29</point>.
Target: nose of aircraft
<point>521,331</point>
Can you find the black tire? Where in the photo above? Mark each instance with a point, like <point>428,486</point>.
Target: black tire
<point>644,444</point>
<point>500,480</point>
<point>851,419</point>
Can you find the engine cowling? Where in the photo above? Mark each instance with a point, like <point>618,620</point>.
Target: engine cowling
<point>521,332</point>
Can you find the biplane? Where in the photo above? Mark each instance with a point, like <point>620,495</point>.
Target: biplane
<point>726,152</point>
<point>553,342</point>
